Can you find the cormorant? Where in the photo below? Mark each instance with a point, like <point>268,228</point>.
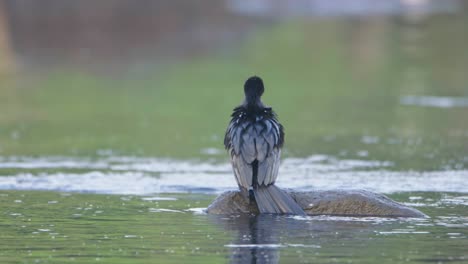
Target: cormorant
<point>254,139</point>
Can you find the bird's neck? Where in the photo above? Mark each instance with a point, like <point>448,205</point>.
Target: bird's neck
<point>253,104</point>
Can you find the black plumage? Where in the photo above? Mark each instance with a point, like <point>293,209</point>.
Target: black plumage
<point>254,139</point>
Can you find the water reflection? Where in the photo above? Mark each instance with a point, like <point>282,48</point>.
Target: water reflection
<point>257,239</point>
<point>263,238</point>
<point>269,239</point>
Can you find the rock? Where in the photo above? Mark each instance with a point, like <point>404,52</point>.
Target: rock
<point>335,202</point>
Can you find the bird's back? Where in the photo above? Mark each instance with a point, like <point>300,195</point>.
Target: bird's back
<point>254,139</point>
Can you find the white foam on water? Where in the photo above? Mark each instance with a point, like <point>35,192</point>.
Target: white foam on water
<point>159,198</point>
<point>50,162</point>
<point>382,181</point>
<point>403,232</point>
<point>164,210</point>
<point>434,101</point>
<point>271,246</point>
<point>162,165</point>
<point>303,246</point>
<point>95,181</point>
<point>135,175</point>
<point>375,220</point>
<point>197,210</point>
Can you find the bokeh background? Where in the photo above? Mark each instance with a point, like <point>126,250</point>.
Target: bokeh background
<point>383,80</point>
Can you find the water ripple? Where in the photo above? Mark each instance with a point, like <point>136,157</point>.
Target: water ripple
<point>143,176</point>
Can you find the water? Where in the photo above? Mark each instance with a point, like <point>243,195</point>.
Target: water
<point>116,208</point>
<point>142,176</point>
<point>117,167</point>
<point>57,227</point>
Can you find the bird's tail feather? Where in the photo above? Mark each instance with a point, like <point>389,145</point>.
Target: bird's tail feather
<point>272,200</point>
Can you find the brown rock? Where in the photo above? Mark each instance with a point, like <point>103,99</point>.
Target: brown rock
<point>335,202</point>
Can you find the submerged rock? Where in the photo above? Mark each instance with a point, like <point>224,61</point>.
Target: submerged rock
<point>335,202</point>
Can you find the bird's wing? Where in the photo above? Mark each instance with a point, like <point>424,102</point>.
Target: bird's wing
<point>268,169</point>
<point>269,152</point>
<point>242,170</point>
<point>240,143</point>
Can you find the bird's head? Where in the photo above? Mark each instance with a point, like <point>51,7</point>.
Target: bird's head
<point>253,89</point>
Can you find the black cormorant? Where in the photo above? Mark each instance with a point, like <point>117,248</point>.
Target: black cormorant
<point>254,139</point>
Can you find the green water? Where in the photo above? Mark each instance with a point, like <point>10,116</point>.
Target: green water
<point>329,94</point>
<point>338,86</point>
<point>50,227</point>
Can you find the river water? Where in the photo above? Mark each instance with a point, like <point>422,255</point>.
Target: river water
<point>140,210</point>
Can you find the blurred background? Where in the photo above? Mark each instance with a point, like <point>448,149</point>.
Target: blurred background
<point>380,79</point>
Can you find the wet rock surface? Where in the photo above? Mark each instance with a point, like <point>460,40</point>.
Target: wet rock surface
<point>330,202</point>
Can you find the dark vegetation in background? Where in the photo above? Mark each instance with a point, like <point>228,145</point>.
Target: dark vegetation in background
<point>72,32</point>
